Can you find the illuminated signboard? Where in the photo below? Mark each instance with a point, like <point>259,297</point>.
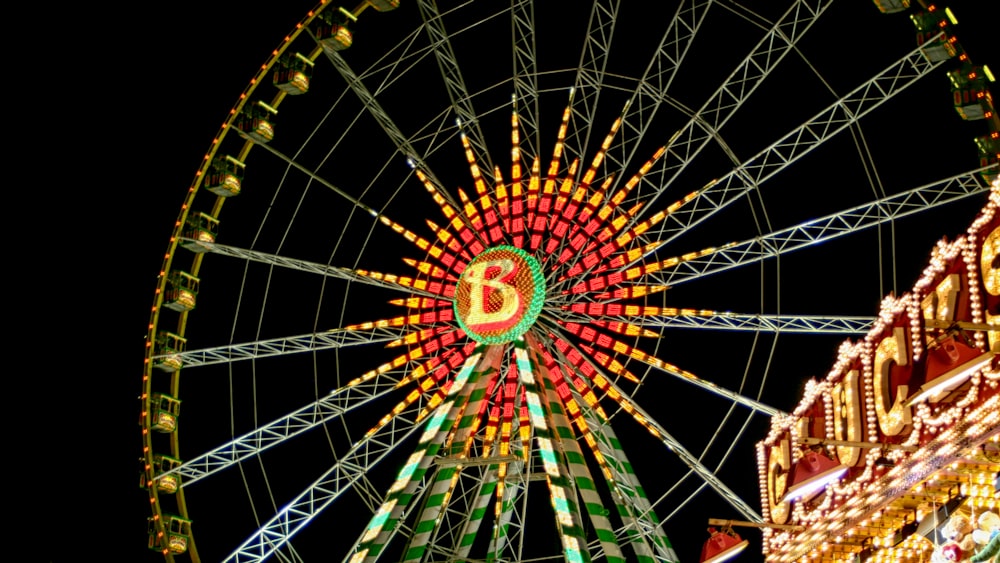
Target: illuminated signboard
<point>499,295</point>
<point>912,410</point>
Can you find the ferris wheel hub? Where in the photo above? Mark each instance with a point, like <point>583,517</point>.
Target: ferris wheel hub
<point>499,295</point>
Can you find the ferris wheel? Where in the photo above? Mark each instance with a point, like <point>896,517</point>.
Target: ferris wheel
<point>525,281</point>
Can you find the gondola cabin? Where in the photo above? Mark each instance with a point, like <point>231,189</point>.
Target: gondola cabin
<point>176,532</point>
<point>182,291</point>
<point>333,32</point>
<point>989,156</point>
<point>256,120</point>
<point>167,352</point>
<point>167,484</point>
<point>293,73</point>
<point>969,87</point>
<point>164,411</point>
<point>384,5</point>
<point>892,6</point>
<point>225,176</point>
<point>931,24</point>
<point>199,233</point>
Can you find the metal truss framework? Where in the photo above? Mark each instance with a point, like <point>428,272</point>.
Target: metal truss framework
<point>693,463</point>
<point>387,124</point>
<point>451,75</point>
<point>653,89</point>
<point>306,266</point>
<point>792,146</point>
<point>350,468</point>
<point>758,323</point>
<point>522,18</point>
<point>590,74</point>
<point>314,342</point>
<point>327,409</point>
<point>720,106</point>
<point>827,228</point>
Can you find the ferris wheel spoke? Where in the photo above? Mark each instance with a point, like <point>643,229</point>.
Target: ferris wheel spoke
<point>717,320</point>
<point>590,72</point>
<point>824,229</point>
<point>613,345</point>
<point>389,127</point>
<point>356,462</point>
<point>251,444</point>
<point>525,76</point>
<point>651,92</point>
<point>695,465</point>
<point>657,431</point>
<point>439,132</point>
<point>359,276</point>
<point>688,142</point>
<point>836,118</point>
<point>313,342</point>
<point>451,75</point>
<point>398,61</point>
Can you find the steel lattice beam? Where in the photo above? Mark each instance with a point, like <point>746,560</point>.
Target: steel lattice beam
<point>590,75</point>
<point>686,457</point>
<point>385,122</point>
<point>249,445</point>
<point>525,75</point>
<point>281,346</point>
<point>324,491</point>
<point>451,75</point>
<point>798,142</point>
<point>756,323</point>
<point>305,266</point>
<point>651,93</point>
<point>826,228</point>
<point>741,83</point>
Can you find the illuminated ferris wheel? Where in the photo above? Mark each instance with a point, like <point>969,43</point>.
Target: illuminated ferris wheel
<point>505,281</point>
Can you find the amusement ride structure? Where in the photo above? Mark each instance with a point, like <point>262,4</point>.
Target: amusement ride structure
<point>491,281</point>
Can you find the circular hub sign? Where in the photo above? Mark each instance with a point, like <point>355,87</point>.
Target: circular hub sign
<point>499,295</point>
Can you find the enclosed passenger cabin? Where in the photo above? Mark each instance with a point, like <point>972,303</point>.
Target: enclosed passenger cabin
<point>167,351</point>
<point>384,5</point>
<point>931,24</point>
<point>167,484</point>
<point>892,6</point>
<point>164,411</point>
<point>182,291</point>
<point>970,91</point>
<point>256,120</point>
<point>177,530</point>
<point>333,31</point>
<point>225,176</point>
<point>199,232</point>
<point>293,73</point>
<point>989,156</point>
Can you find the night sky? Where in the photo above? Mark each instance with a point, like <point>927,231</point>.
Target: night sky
<point>158,88</point>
